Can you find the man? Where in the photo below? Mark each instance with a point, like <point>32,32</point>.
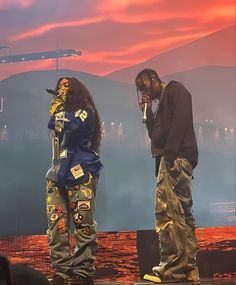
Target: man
<point>174,146</point>
<point>71,182</point>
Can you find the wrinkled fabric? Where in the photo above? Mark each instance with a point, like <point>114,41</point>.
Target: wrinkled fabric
<point>174,220</point>
<point>75,202</point>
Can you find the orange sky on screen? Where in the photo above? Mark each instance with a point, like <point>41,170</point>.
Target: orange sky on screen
<point>111,34</point>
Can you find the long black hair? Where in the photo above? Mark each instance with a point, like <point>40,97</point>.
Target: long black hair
<point>79,97</point>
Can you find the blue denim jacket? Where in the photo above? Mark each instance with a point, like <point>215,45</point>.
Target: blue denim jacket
<point>73,159</point>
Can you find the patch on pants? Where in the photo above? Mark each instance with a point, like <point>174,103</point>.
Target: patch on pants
<point>84,205</point>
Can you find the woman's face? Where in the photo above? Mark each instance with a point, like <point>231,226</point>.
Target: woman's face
<point>63,88</point>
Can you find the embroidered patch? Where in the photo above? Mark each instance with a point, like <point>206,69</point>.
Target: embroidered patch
<point>83,205</point>
<point>49,199</point>
<point>50,190</point>
<point>53,217</point>
<point>77,171</point>
<point>51,183</point>
<point>76,196</point>
<point>62,226</point>
<point>51,208</point>
<point>63,153</point>
<point>59,210</point>
<point>87,193</point>
<point>78,218</point>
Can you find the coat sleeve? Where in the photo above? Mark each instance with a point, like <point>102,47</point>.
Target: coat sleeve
<point>181,106</point>
<point>149,122</point>
<point>77,121</point>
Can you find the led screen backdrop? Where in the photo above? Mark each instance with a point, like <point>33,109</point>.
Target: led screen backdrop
<point>110,42</point>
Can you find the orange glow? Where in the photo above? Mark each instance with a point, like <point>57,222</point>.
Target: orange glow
<point>114,5</point>
<point>117,34</point>
<point>8,69</point>
<point>224,11</point>
<point>46,28</point>
<point>130,55</point>
<point>118,249</point>
<point>26,3</point>
<point>122,12</point>
<point>23,3</point>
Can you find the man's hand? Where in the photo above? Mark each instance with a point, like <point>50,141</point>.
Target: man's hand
<point>172,167</point>
<point>145,100</point>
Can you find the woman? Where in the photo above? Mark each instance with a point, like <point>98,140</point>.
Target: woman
<point>71,182</point>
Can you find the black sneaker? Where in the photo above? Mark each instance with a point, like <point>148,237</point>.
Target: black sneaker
<point>79,280</point>
<point>56,280</point>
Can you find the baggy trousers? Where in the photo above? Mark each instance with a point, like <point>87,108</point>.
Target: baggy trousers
<point>76,202</point>
<point>174,220</point>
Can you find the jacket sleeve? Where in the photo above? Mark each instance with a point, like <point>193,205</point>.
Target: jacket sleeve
<point>181,106</point>
<point>77,121</point>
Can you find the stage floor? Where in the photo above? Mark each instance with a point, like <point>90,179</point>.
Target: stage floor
<point>203,281</point>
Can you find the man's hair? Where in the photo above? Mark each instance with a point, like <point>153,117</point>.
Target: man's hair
<point>80,98</point>
<point>146,76</point>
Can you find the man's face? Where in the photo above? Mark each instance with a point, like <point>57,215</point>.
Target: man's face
<point>148,87</point>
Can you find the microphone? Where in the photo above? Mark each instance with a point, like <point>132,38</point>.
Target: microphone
<point>145,113</point>
<point>51,91</point>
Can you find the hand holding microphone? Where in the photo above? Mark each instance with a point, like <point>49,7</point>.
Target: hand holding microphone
<point>61,93</point>
<point>51,91</point>
<point>145,104</point>
<point>145,113</point>
<point>59,98</point>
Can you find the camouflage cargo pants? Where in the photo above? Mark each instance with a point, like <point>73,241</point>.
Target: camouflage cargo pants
<point>175,222</point>
<point>64,203</point>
